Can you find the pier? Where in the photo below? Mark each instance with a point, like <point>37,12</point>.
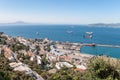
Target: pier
<point>102,45</point>
<point>105,45</point>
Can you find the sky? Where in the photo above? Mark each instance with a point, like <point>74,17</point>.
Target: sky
<point>60,11</point>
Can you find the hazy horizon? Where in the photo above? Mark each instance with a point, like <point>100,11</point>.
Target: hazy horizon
<point>60,11</point>
<point>23,22</point>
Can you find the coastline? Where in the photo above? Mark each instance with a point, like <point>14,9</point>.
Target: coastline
<point>63,42</point>
<point>24,53</point>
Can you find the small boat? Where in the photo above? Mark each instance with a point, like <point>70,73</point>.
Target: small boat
<point>89,33</point>
<point>90,45</point>
<point>69,32</point>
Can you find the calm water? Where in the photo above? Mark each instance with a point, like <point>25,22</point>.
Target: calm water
<point>101,35</point>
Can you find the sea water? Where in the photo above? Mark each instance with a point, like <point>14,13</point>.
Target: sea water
<point>101,35</point>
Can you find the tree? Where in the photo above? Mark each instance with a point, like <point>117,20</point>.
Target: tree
<point>105,68</point>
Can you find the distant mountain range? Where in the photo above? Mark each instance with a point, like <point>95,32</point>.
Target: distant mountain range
<point>105,25</point>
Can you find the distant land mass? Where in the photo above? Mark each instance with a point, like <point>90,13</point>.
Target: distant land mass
<point>105,25</point>
<point>15,23</point>
<point>117,25</point>
<point>19,22</point>
<point>24,23</point>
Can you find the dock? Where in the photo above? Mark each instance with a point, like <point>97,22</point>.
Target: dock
<point>102,45</point>
<point>105,45</point>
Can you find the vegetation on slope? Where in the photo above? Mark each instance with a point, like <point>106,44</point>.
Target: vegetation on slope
<point>6,72</point>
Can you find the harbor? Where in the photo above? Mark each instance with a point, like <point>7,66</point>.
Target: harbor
<point>88,49</point>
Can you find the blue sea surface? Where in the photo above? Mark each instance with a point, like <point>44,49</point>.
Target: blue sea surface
<point>101,35</point>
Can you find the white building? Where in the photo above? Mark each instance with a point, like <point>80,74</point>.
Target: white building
<point>81,67</point>
<point>32,58</point>
<point>59,65</point>
<point>38,59</point>
<point>23,41</point>
<point>0,50</point>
